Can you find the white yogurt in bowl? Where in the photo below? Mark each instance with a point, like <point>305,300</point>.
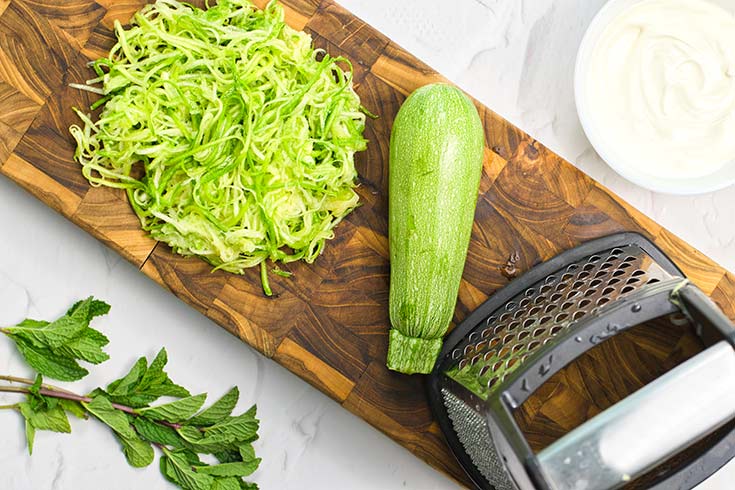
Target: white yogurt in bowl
<point>655,92</point>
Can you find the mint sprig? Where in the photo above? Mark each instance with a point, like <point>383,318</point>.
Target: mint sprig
<point>53,349</point>
<point>182,430</point>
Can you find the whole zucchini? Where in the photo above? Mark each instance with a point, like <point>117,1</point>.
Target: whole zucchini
<point>436,153</point>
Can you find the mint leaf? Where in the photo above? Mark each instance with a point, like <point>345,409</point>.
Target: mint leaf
<point>53,348</point>
<point>126,384</point>
<point>87,346</point>
<point>92,307</point>
<point>74,408</point>
<point>176,411</point>
<point>44,361</point>
<point>230,469</point>
<point>179,469</point>
<point>145,384</point>
<point>30,434</point>
<point>116,420</point>
<point>239,428</point>
<point>226,484</point>
<point>160,434</point>
<point>229,456</point>
<point>53,419</point>
<point>219,410</point>
<point>56,333</point>
<point>138,452</point>
<point>247,452</point>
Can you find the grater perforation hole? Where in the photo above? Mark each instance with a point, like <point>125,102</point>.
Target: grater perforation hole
<point>535,311</point>
<point>550,279</point>
<point>600,274</point>
<point>508,338</point>
<point>511,362</point>
<point>497,365</point>
<point>561,286</point>
<point>493,342</point>
<point>561,317</point>
<point>491,382</point>
<point>513,325</point>
<point>653,280</point>
<point>608,291</point>
<point>584,303</point>
<point>517,348</point>
<point>638,273</point>
<point>572,268</point>
<point>484,370</point>
<point>578,285</point>
<point>573,294</point>
<point>593,258</point>
<point>519,314</point>
<point>616,251</point>
<point>530,292</point>
<point>511,306</point>
<point>632,280</point>
<point>462,364</point>
<point>533,344</point>
<point>481,345</point>
<point>545,289</point>
<point>555,297</point>
<point>584,275</point>
<point>544,320</point>
<point>539,332</point>
<point>490,320</point>
<point>523,335</point>
<point>489,355</point>
<point>603,301</point>
<point>504,317</point>
<point>567,305</point>
<point>605,266</point>
<point>577,315</point>
<point>474,337</point>
<point>474,360</point>
<point>524,302</point>
<point>567,277</point>
<point>587,268</point>
<point>555,329</point>
<point>504,352</point>
<point>625,265</point>
<point>529,322</point>
<point>613,281</point>
<point>468,349</point>
<point>595,283</point>
<point>618,273</point>
<point>456,354</point>
<point>551,307</point>
<point>627,289</point>
<point>590,292</point>
<point>499,328</point>
<point>487,333</point>
<point>629,258</point>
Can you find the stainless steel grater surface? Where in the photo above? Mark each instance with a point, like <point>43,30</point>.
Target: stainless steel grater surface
<point>545,319</point>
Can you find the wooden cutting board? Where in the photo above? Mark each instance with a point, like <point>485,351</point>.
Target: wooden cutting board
<point>328,323</point>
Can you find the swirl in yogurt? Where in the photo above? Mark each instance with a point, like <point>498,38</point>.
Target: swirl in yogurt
<point>662,84</point>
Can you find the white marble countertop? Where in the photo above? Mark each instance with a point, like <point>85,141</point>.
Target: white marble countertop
<point>517,57</point>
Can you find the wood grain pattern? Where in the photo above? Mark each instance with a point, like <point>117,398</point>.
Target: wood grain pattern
<point>329,322</point>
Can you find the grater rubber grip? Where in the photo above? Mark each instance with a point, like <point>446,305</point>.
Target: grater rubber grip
<point>648,427</point>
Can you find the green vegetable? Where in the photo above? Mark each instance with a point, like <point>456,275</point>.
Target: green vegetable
<point>436,153</point>
<point>233,137</point>
<point>54,348</point>
<point>180,429</point>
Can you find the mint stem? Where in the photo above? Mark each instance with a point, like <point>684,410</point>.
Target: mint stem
<point>67,395</point>
<point>9,407</point>
<point>30,382</point>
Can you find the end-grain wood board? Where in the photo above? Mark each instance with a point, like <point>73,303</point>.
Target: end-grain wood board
<point>328,323</point>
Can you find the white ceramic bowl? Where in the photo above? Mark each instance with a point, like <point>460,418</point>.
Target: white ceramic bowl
<point>620,159</point>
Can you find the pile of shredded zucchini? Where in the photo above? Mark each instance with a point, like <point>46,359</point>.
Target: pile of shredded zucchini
<point>233,137</point>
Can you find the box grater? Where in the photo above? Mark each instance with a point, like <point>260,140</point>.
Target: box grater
<point>505,350</point>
